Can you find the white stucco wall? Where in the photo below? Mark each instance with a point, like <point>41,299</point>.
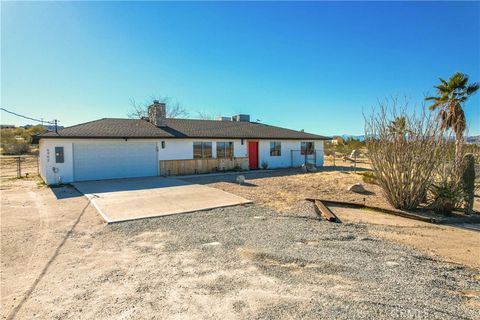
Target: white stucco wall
<point>175,149</point>
<point>178,149</point>
<point>287,157</point>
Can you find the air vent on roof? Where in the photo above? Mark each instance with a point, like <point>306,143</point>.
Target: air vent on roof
<point>241,118</point>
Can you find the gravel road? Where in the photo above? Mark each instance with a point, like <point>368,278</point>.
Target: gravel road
<point>268,266</point>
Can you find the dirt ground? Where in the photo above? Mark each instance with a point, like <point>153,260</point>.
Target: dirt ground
<point>8,166</point>
<point>60,261</point>
<point>282,189</point>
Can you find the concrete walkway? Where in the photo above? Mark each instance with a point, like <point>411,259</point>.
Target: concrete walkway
<point>138,198</point>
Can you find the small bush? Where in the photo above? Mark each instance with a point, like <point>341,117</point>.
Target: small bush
<point>369,177</point>
<point>264,165</point>
<point>446,192</point>
<point>446,196</point>
<point>14,146</point>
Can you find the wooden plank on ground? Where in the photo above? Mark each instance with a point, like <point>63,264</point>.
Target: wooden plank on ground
<point>399,213</point>
<point>325,212</point>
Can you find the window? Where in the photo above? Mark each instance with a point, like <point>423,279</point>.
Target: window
<point>163,144</point>
<point>275,148</point>
<point>225,150</point>
<point>307,148</point>
<point>59,158</point>
<point>202,150</point>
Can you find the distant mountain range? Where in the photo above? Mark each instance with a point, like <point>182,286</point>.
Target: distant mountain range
<point>470,139</point>
<point>346,136</point>
<point>473,139</point>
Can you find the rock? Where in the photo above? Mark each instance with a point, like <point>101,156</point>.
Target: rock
<point>216,243</point>
<point>392,263</point>
<point>240,179</point>
<point>357,187</point>
<point>304,168</point>
<point>312,169</point>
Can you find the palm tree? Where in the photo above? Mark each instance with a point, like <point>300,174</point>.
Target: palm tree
<point>398,126</point>
<point>450,96</point>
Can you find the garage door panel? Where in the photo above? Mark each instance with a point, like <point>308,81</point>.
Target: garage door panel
<point>110,161</point>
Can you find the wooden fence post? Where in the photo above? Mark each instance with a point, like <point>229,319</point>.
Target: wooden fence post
<point>19,168</point>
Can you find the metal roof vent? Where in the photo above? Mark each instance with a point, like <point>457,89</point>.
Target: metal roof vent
<point>241,118</point>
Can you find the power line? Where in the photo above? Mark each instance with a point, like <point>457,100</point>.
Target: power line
<point>29,118</point>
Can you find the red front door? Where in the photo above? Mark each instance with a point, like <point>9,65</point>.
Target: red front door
<point>253,154</point>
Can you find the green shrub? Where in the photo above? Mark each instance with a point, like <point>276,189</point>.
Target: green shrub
<point>14,146</point>
<point>446,196</point>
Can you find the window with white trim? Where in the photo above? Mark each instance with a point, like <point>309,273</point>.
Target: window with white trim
<point>275,148</point>
<point>202,150</point>
<point>307,148</point>
<point>225,150</point>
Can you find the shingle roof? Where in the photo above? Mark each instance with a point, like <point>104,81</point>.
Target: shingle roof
<point>178,128</point>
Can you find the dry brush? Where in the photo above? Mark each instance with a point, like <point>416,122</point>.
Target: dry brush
<point>404,149</point>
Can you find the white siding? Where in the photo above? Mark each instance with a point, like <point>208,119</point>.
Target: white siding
<point>290,153</point>
<point>178,149</point>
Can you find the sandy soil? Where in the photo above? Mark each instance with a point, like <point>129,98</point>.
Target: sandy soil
<point>8,166</point>
<point>451,244</point>
<point>60,261</point>
<point>283,189</point>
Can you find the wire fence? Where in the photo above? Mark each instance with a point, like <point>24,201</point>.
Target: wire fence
<point>18,166</point>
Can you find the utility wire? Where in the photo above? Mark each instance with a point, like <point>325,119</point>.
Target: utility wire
<point>33,119</point>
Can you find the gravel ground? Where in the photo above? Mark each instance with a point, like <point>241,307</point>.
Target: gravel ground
<point>244,262</point>
<point>304,268</point>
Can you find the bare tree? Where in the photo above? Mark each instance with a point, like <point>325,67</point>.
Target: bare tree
<point>204,116</point>
<point>174,108</point>
<point>403,159</point>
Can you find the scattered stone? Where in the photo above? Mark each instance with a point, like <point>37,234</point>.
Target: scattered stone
<point>357,187</point>
<point>211,244</point>
<point>392,263</point>
<point>240,179</point>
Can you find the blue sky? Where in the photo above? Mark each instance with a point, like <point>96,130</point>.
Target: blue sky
<point>312,65</point>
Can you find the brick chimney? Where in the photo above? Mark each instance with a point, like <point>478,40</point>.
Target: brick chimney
<point>157,113</point>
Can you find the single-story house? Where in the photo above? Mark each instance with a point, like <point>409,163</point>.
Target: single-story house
<point>156,145</point>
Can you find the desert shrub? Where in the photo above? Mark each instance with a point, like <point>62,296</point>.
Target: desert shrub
<point>403,153</point>
<point>368,177</point>
<point>14,141</point>
<point>264,165</point>
<point>13,146</point>
<point>468,182</point>
<point>17,141</point>
<point>446,191</point>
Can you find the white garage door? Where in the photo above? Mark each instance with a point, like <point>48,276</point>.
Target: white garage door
<point>110,161</point>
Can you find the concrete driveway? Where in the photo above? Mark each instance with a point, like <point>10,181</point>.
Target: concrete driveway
<point>138,198</point>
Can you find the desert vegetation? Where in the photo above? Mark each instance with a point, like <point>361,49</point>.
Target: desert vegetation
<point>17,141</point>
<point>413,157</point>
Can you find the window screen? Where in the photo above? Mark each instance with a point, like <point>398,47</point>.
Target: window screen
<point>275,148</point>
<point>307,148</point>
<point>59,157</point>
